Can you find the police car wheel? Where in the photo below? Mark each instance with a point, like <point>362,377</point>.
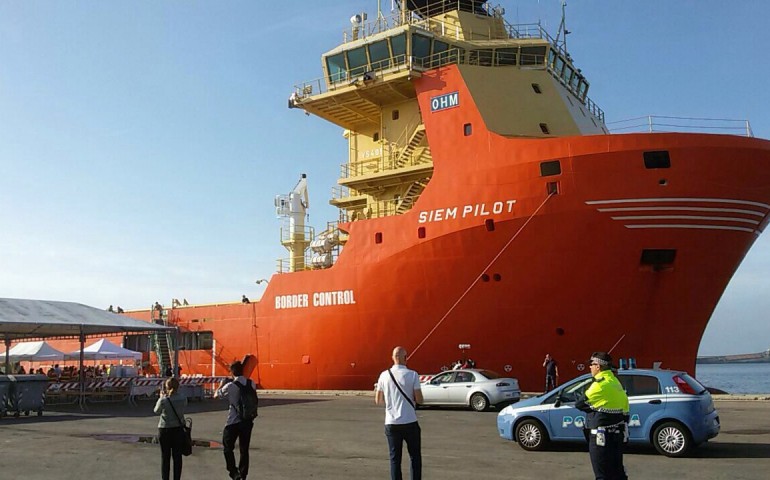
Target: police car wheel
<point>479,402</point>
<point>531,435</point>
<point>671,439</point>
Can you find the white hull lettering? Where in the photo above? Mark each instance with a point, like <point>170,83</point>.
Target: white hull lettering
<point>466,211</point>
<point>319,299</point>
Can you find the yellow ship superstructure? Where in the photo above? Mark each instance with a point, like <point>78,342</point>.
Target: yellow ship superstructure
<point>523,83</point>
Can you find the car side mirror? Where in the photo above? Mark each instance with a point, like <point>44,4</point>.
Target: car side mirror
<point>559,399</point>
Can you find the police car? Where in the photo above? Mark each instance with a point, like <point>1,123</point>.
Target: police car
<point>668,409</point>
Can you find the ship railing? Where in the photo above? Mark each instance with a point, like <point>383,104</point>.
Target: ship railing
<point>342,79</point>
<point>421,16</point>
<point>339,192</point>
<point>663,124</point>
<point>480,57</point>
<point>364,162</point>
<point>306,234</point>
<point>284,265</point>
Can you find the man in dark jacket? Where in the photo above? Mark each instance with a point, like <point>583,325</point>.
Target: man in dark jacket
<point>606,406</point>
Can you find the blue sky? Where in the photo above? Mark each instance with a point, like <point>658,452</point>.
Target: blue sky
<point>142,142</point>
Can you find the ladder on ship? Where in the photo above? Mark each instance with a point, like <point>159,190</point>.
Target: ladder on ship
<point>414,141</point>
<point>162,342</point>
<point>412,193</point>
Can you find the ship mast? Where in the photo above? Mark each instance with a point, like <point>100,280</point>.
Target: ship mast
<point>563,27</point>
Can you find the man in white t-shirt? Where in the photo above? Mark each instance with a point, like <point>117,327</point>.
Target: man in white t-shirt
<point>399,389</point>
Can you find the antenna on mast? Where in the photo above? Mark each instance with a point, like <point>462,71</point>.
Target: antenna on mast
<point>563,27</point>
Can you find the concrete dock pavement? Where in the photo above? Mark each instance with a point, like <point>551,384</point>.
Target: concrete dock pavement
<point>341,436</point>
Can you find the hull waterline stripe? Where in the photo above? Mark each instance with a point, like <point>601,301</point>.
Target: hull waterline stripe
<point>687,209</point>
<point>700,227</point>
<point>669,199</point>
<point>686,217</point>
<point>478,277</point>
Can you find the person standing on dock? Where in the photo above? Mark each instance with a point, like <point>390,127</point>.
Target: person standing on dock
<point>399,389</point>
<point>239,422</point>
<point>606,406</point>
<point>171,435</point>
<point>551,373</point>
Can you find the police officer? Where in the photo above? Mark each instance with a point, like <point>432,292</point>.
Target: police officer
<point>606,406</point>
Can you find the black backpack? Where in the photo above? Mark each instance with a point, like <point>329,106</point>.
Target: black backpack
<point>248,401</point>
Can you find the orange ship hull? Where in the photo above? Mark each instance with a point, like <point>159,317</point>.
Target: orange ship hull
<point>510,262</point>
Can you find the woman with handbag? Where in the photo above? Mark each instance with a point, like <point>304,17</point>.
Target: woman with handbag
<point>171,434</point>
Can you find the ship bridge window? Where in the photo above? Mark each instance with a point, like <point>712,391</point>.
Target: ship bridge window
<point>583,89</point>
<point>566,75</point>
<point>335,65</point>
<point>551,58</point>
<point>480,57</point>
<point>505,56</point>
<point>421,49</point>
<point>379,55</point>
<point>657,159</point>
<point>558,66</point>
<point>398,46</point>
<point>533,55</point>
<point>357,62</point>
<point>574,82</point>
<point>440,55</point>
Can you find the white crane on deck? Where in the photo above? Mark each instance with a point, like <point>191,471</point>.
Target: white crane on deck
<point>295,236</point>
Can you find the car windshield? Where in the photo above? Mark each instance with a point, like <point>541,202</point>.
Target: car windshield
<point>490,374</point>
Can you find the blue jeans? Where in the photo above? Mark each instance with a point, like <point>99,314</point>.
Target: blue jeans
<point>396,435</point>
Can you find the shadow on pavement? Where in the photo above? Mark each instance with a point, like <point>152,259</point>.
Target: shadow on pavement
<point>732,450</point>
<point>64,413</point>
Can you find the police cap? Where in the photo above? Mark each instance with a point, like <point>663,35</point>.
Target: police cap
<point>602,358</point>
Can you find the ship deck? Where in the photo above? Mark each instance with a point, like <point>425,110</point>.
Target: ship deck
<point>341,437</point>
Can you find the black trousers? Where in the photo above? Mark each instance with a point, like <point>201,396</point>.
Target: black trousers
<point>242,433</point>
<point>397,435</point>
<point>607,460</point>
<point>550,382</point>
<point>170,440</point>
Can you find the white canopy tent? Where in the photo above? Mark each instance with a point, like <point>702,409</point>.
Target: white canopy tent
<point>25,319</point>
<point>34,352</point>
<point>103,349</point>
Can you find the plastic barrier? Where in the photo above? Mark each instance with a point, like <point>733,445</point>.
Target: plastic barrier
<point>5,393</point>
<point>131,389</point>
<point>27,394</point>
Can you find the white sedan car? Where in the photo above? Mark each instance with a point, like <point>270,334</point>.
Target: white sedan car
<point>470,387</point>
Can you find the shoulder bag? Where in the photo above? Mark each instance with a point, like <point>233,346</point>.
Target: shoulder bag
<point>187,444</point>
<point>409,400</point>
